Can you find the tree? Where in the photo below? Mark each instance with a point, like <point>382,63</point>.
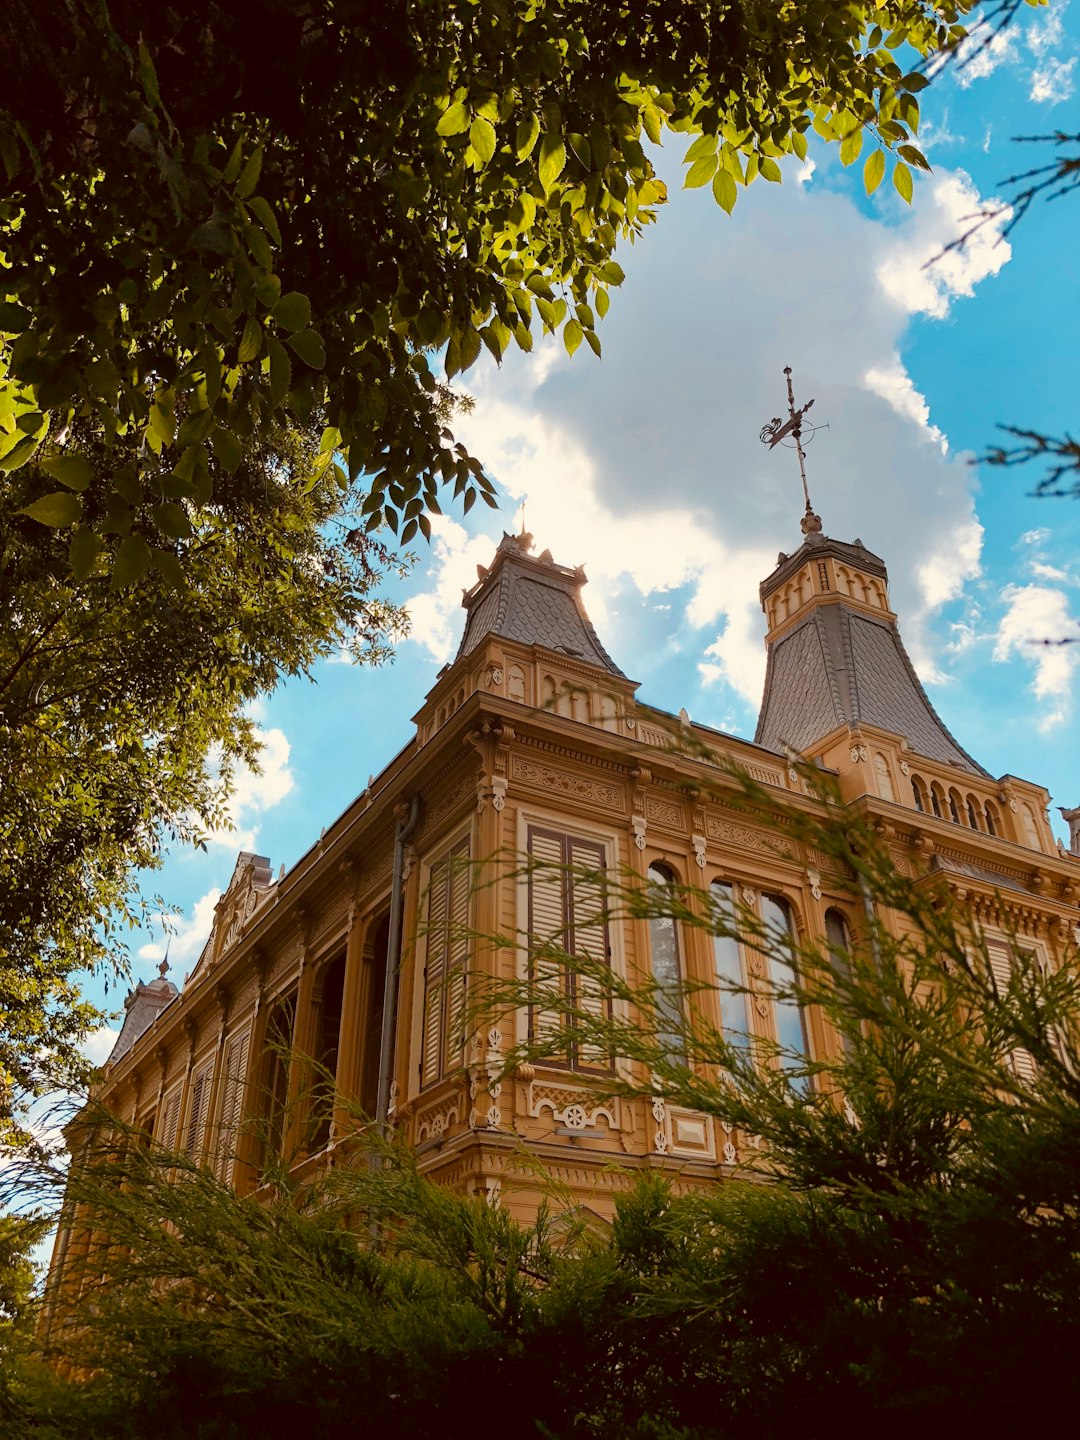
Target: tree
<point>112,698</point>
<point>898,1245</point>
<point>258,211</point>
<point>240,224</point>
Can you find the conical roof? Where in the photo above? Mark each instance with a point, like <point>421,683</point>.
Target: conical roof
<point>531,600</point>
<point>836,657</point>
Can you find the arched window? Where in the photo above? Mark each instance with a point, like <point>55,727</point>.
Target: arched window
<point>787,1012</point>
<point>326,1053</point>
<point>884,779</point>
<point>937,800</point>
<point>839,937</point>
<point>549,693</point>
<point>515,683</point>
<point>279,1039</point>
<point>991,819</point>
<point>917,793</point>
<point>579,706</point>
<point>727,956</point>
<point>664,951</point>
<point>972,814</point>
<point>1031,830</point>
<point>955,804</point>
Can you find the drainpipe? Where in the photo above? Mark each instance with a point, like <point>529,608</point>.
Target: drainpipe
<point>405,826</point>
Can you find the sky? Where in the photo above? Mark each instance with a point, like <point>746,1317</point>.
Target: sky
<point>646,466</point>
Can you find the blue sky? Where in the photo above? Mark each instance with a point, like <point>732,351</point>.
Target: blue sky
<point>646,466</point>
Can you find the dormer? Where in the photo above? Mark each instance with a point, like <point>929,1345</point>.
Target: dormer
<point>529,639</point>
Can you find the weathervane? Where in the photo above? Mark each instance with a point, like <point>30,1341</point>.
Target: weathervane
<point>778,431</point>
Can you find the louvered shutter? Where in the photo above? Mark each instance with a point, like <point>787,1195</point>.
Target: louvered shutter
<point>447,963</point>
<point>548,886</point>
<point>196,1121</point>
<point>588,936</point>
<point>232,1103</point>
<point>457,957</point>
<point>438,906</point>
<point>170,1116</point>
<point>1001,966</point>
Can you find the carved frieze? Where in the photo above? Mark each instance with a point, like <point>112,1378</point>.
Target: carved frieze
<point>563,782</point>
<point>742,837</point>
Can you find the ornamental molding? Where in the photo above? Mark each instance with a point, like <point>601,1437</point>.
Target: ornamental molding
<point>434,1121</point>
<point>563,782</point>
<point>568,752</point>
<point>744,837</point>
<point>574,1106</point>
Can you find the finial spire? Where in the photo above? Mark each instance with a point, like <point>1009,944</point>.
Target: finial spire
<point>778,430</point>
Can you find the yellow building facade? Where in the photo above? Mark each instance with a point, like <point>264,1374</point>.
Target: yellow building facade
<point>532,747</point>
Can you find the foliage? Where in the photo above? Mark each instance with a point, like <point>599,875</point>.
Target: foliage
<point>113,697</point>
<point>897,1246</point>
<point>233,216</point>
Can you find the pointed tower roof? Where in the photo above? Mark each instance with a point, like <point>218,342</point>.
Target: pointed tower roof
<point>836,657</point>
<point>141,1008</point>
<point>531,600</point>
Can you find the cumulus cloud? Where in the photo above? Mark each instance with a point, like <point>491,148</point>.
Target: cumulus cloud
<point>254,791</point>
<point>186,934</point>
<point>647,467</point>
<point>983,52</point>
<point>1038,627</point>
<point>1052,82</point>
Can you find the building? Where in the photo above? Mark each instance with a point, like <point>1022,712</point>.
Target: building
<point>532,744</point>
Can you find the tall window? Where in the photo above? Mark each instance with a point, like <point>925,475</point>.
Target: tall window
<point>170,1119</point>
<point>234,1073</point>
<point>664,950</point>
<point>839,937</point>
<point>327,1045</point>
<point>566,918</point>
<point>881,770</point>
<point>279,1033</point>
<point>447,962</point>
<point>734,997</point>
<point>787,1012</point>
<point>195,1131</point>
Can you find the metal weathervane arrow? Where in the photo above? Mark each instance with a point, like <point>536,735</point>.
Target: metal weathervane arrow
<point>779,430</point>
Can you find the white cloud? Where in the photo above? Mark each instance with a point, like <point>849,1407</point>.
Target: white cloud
<point>1052,82</point>
<point>647,467</point>
<point>1035,622</point>
<point>917,274</point>
<point>982,53</point>
<point>254,791</point>
<point>1047,30</point>
<point>98,1044</point>
<point>186,935</point>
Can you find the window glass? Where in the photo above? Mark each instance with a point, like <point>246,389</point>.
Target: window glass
<point>734,1001</point>
<point>787,1013</point>
<point>664,949</point>
<point>839,938</point>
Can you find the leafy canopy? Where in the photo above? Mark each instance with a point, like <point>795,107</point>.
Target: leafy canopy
<point>217,216</point>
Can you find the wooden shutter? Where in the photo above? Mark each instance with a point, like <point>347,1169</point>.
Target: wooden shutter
<point>566,914</point>
<point>234,1071</point>
<point>1000,955</point>
<point>447,963</point>
<point>170,1116</point>
<point>589,937</point>
<point>196,1120</point>
<point>547,929</point>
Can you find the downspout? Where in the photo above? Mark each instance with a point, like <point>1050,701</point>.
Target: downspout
<point>405,827</point>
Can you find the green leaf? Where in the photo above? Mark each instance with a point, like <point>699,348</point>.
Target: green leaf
<point>14,318</point>
<point>84,549</point>
<point>131,563</point>
<point>308,344</point>
<point>908,108</point>
<point>724,190</point>
<point>552,160</point>
<point>482,138</point>
<point>612,272</point>
<point>851,147</point>
<point>292,311</point>
<point>249,175</point>
<point>163,423</point>
<point>19,453</point>
<point>903,181</point>
<point>913,156</point>
<point>59,509</point>
<point>702,147</point>
<point>454,120</point>
<point>469,348</point>
<point>770,170</point>
<point>169,568</point>
<point>526,136</point>
<point>572,336</point>
<point>280,371</point>
<point>172,521</point>
<point>874,171</point>
<point>260,208</point>
<point>914,82</point>
<point>250,341</point>
<point>602,300</point>
<point>227,448</point>
<point>71,470</point>
<point>593,341</point>
<point>701,172</point>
